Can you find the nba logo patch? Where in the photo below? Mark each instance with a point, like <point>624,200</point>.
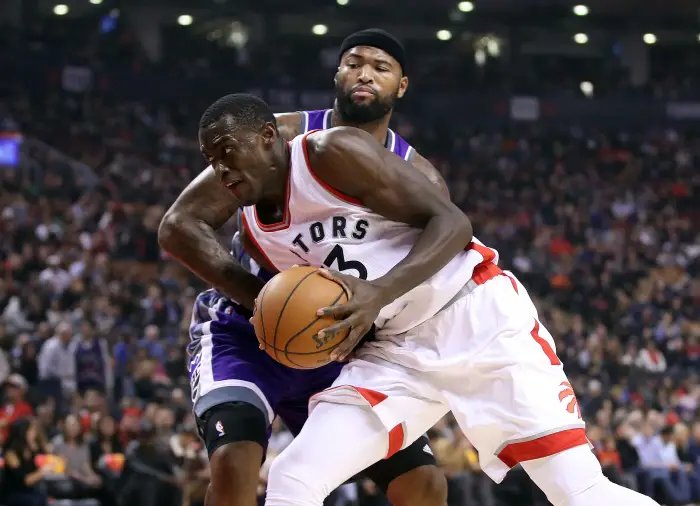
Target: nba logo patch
<point>229,310</point>
<point>219,428</point>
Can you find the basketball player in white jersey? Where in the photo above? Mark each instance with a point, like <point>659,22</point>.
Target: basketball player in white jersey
<point>455,332</point>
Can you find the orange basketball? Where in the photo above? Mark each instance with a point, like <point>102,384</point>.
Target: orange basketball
<point>285,320</point>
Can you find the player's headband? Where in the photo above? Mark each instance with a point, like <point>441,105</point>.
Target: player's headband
<point>374,37</point>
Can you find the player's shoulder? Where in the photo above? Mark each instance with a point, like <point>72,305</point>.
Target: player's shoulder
<point>289,124</point>
<point>338,139</point>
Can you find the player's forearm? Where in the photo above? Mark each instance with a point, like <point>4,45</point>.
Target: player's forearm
<point>194,244</point>
<point>443,237</point>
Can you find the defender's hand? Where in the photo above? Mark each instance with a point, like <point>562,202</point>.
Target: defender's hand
<point>357,315</point>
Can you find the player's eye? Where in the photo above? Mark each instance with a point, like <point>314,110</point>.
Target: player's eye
<point>353,65</point>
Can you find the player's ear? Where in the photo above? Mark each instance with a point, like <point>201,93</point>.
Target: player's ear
<point>403,86</point>
<point>269,133</point>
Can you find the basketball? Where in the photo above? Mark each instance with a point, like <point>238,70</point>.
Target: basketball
<point>285,319</point>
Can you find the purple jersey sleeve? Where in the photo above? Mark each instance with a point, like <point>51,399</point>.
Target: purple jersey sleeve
<point>321,120</point>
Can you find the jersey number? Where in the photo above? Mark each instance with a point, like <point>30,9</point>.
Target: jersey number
<point>337,257</point>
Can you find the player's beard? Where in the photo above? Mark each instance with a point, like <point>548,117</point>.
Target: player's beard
<point>359,113</point>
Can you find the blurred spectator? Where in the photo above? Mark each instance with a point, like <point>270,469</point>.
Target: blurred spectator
<point>54,276</point>
<point>106,453</point>
<point>14,406</point>
<point>610,460</point>
<point>629,458</point>
<point>460,462</point>
<point>92,361</point>
<point>150,341</point>
<point>661,465</point>
<point>191,457</point>
<point>651,359</point>
<point>82,481</point>
<point>57,365</point>
<point>689,465</point>
<point>150,475</point>
<point>5,369</point>
<point>105,442</point>
<point>22,476</point>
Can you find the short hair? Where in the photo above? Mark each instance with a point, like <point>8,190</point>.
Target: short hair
<point>247,111</point>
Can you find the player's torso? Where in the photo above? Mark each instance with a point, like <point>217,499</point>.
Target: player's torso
<point>322,227</point>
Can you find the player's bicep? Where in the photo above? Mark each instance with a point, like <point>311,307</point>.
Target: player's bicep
<point>206,200</point>
<point>354,163</point>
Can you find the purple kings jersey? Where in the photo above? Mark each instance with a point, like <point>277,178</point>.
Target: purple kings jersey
<point>321,120</point>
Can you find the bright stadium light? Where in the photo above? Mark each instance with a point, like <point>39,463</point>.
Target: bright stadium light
<point>581,10</point>
<point>342,2</point>
<point>649,38</point>
<point>444,35</point>
<point>587,88</point>
<point>319,30</point>
<point>60,9</point>
<point>185,20</point>
<point>95,2</point>
<point>465,6</point>
<point>581,38</point>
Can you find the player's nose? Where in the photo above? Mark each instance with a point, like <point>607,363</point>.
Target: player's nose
<point>223,171</point>
<point>365,75</point>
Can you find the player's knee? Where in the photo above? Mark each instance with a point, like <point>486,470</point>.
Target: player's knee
<point>423,486</point>
<point>293,482</point>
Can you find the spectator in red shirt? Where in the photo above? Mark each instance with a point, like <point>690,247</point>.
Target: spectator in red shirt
<point>14,406</point>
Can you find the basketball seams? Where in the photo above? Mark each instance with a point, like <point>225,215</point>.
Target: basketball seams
<point>284,306</point>
<point>289,341</point>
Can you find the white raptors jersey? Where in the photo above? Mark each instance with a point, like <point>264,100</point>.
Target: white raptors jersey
<point>322,227</point>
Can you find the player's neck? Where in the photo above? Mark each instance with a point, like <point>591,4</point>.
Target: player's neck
<point>379,129</point>
<point>277,191</point>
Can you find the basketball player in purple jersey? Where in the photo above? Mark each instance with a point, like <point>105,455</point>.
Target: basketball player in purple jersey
<point>238,390</point>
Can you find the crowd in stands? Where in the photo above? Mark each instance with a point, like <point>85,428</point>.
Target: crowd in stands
<point>603,227</point>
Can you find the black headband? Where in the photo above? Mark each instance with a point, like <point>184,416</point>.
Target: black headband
<point>374,37</point>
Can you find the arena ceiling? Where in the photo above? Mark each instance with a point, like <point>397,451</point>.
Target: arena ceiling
<point>664,8</point>
<point>667,14</point>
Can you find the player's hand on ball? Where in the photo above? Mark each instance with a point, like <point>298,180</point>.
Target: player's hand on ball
<point>357,315</point>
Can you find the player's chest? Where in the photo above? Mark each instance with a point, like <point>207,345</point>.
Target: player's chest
<point>336,241</point>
